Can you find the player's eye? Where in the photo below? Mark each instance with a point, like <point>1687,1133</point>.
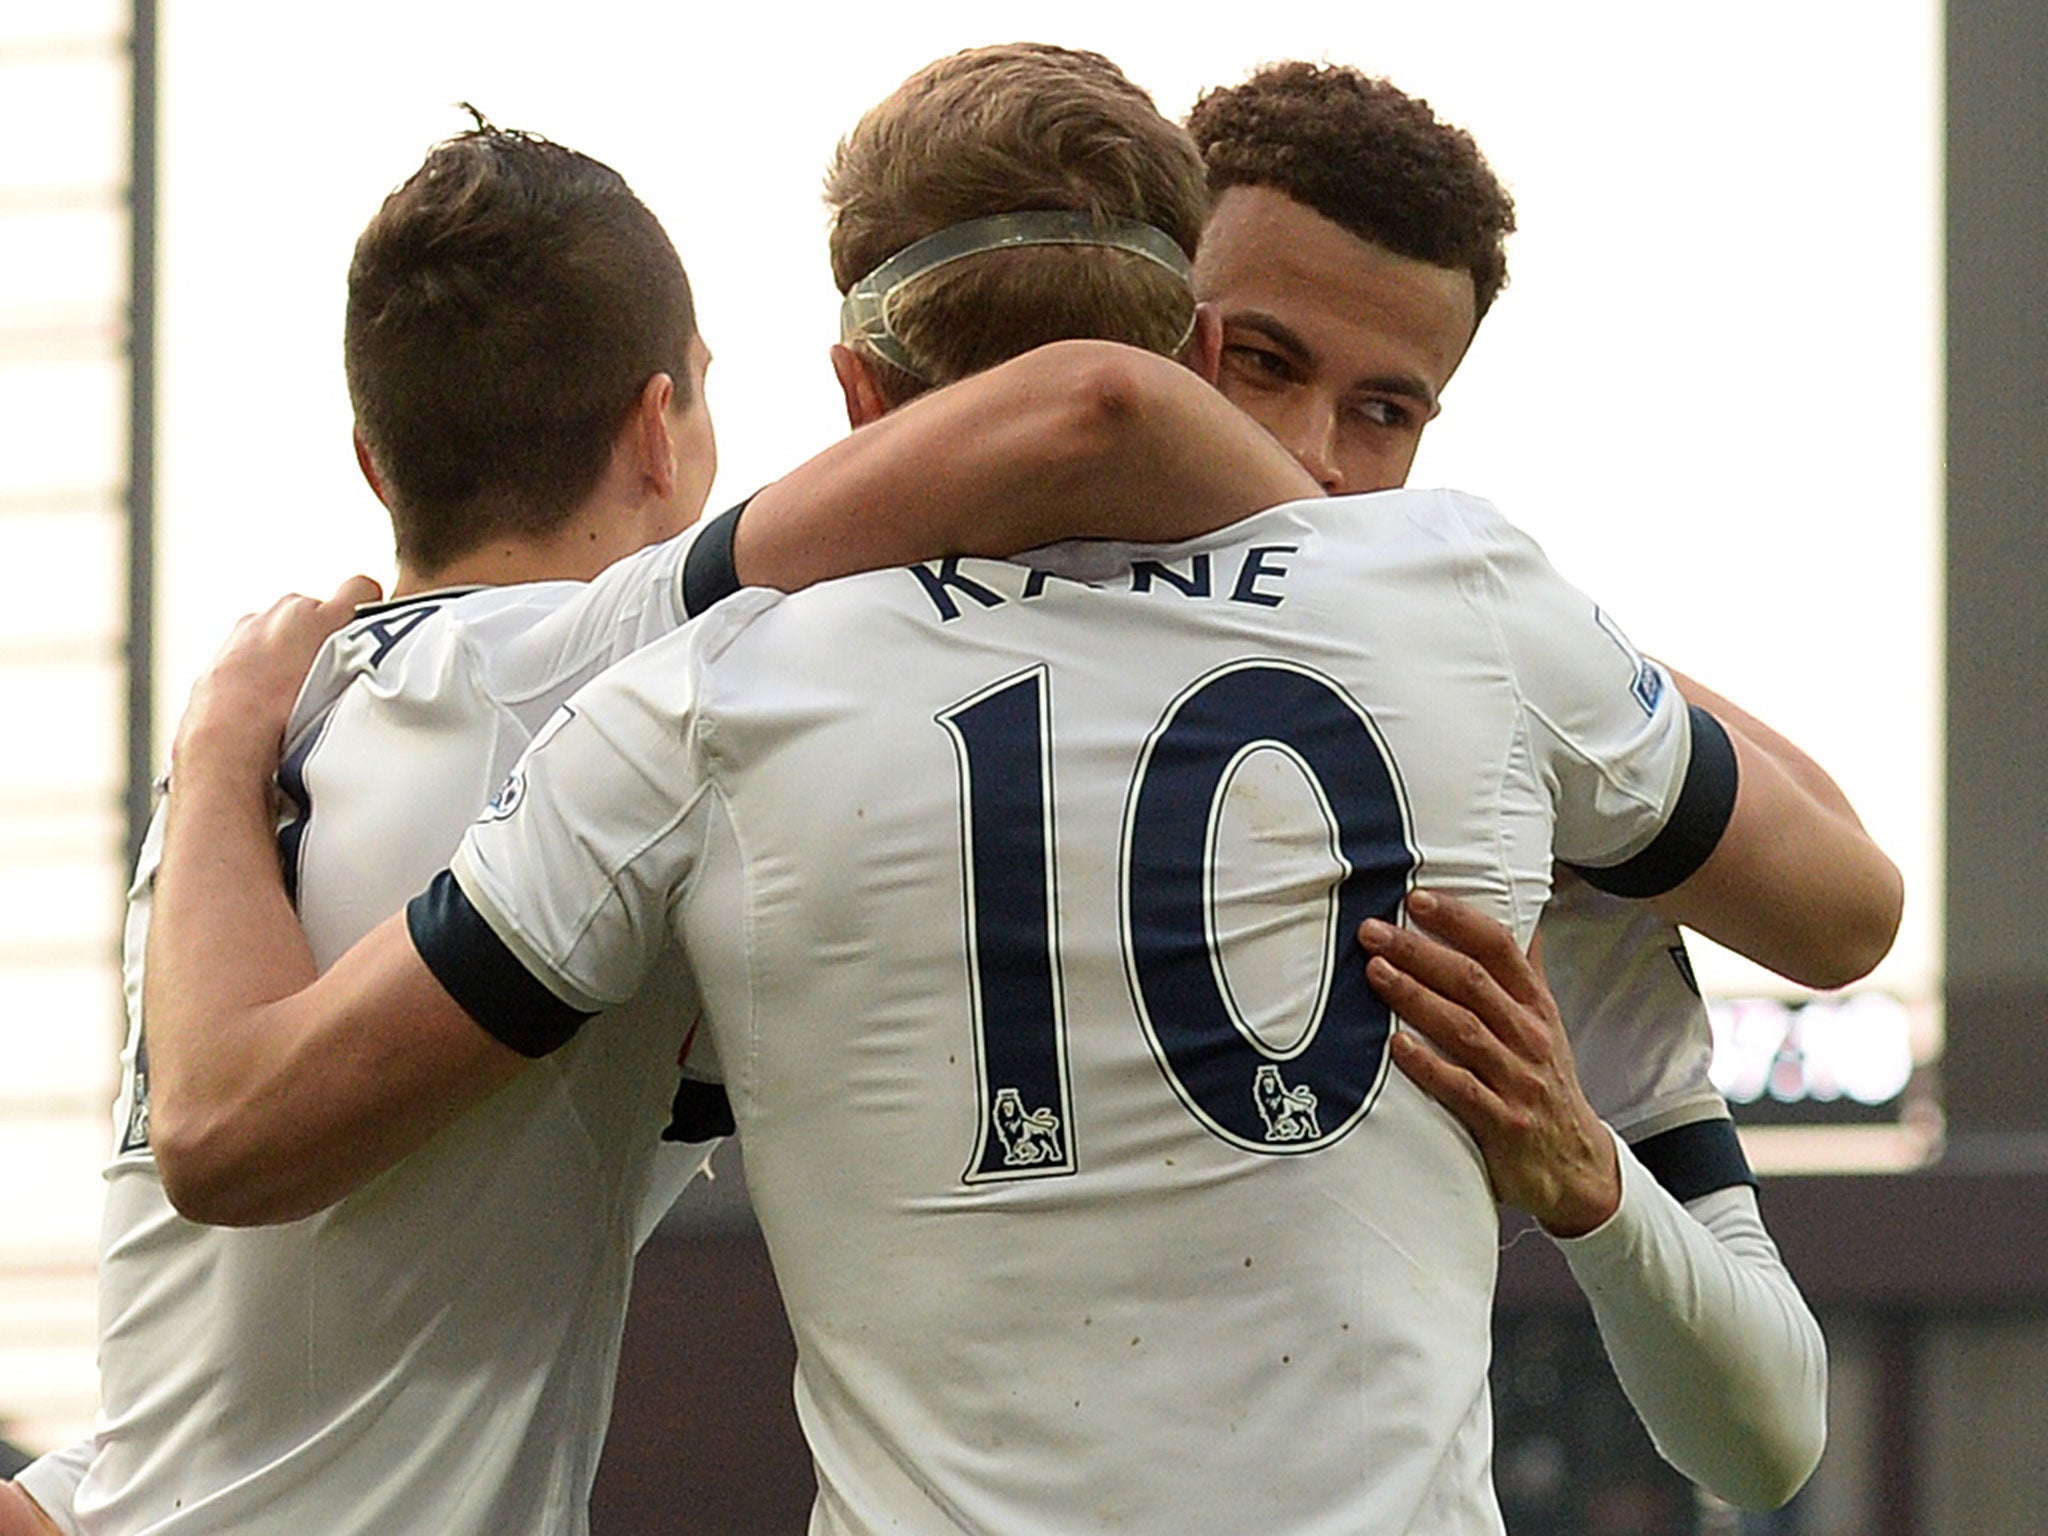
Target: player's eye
<point>1379,411</point>
<point>1259,365</point>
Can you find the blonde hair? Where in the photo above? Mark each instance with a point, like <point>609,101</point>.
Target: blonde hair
<point>1014,128</point>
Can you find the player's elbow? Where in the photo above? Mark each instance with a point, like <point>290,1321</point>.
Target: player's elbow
<point>1884,911</point>
<point>1091,402</point>
<point>1859,930</point>
<point>1761,1447</point>
<point>1780,1464</point>
<point>1820,911</point>
<point>188,1167</point>
<point>206,1172</point>
<point>1785,1478</point>
<point>1106,392</point>
<point>1759,1429</point>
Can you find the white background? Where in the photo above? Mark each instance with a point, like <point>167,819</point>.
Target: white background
<point>1712,388</point>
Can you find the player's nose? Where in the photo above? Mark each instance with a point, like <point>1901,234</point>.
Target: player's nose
<point>1311,437</point>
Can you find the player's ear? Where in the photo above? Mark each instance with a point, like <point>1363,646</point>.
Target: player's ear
<point>1204,351</point>
<point>649,441</point>
<point>368,465</point>
<point>865,401</point>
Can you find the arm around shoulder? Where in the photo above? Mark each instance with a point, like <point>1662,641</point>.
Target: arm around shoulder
<point>1076,439</point>
<point>1794,881</point>
<point>298,1100</point>
<point>273,1094</point>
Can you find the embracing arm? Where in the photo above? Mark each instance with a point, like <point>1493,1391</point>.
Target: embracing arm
<point>1809,775</point>
<point>1709,1336</point>
<point>1715,1347</point>
<point>21,1515</point>
<point>1794,883</point>
<point>1751,846</point>
<point>273,1102</point>
<point>1075,439</point>
<point>272,1094</point>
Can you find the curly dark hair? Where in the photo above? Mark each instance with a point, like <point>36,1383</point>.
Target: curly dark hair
<point>1368,157</point>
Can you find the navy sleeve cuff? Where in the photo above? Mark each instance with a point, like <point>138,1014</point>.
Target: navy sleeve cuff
<point>1694,1160</point>
<point>491,983</point>
<point>709,575</point>
<point>1705,802</point>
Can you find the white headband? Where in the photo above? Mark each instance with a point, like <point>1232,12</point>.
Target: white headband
<point>865,315</point>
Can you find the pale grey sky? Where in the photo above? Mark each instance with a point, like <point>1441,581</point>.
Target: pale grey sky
<point>1711,389</point>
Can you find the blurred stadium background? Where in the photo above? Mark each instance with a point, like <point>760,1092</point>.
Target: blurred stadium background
<point>1908,1124</point>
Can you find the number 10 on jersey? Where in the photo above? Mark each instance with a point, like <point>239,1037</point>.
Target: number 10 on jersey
<point>1239,1088</point>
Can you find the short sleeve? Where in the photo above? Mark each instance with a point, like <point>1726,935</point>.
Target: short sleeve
<point>1611,736</point>
<point>578,860</point>
<point>574,863</point>
<point>52,1481</point>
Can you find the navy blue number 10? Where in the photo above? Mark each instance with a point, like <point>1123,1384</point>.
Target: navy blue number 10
<point>1242,1090</point>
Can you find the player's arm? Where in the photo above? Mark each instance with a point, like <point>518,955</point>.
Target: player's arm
<point>21,1515</point>
<point>271,1090</point>
<point>1815,780</point>
<point>1789,789</point>
<point>1074,439</point>
<point>1792,882</point>
<point>1736,843</point>
<point>1711,1339</point>
<point>1718,1352</point>
<point>39,1501</point>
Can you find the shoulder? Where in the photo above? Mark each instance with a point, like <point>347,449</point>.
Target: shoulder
<point>461,649</point>
<point>667,671</point>
<point>1437,525</point>
<point>1470,525</point>
<point>539,651</point>
<point>409,638</point>
<point>1430,552</point>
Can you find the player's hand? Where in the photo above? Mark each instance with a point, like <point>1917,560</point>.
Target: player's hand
<point>21,1515</point>
<point>1501,1062</point>
<point>242,703</point>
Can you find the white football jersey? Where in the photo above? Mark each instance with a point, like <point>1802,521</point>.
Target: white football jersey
<point>435,1352</point>
<point>1640,1035</point>
<point>1021,903</point>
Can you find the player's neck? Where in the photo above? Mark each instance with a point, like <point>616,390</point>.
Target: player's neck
<point>499,566</point>
<point>575,552</point>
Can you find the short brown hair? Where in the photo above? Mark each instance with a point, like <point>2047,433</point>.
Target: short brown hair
<point>1009,129</point>
<point>506,307</point>
<point>1368,157</point>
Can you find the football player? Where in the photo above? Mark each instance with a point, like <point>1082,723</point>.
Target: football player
<point>1354,245</point>
<point>934,838</point>
<point>436,1351</point>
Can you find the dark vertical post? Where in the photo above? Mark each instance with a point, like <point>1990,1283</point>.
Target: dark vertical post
<point>1897,1431</point>
<point>141,646</point>
<point>1995,1073</point>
